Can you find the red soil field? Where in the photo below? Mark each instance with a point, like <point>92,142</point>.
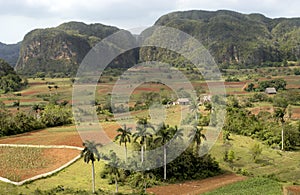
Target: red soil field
<point>292,190</point>
<point>296,113</point>
<point>55,158</point>
<point>45,137</point>
<point>57,136</point>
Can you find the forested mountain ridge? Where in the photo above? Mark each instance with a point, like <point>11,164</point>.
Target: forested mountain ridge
<point>240,40</point>
<point>235,40</point>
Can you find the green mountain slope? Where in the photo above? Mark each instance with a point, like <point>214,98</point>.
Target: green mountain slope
<point>236,39</point>
<point>10,52</point>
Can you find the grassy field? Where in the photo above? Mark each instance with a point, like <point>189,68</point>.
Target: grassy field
<point>76,176</point>
<point>253,186</point>
<point>276,164</point>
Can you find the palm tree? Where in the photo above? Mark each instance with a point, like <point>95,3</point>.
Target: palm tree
<point>163,136</point>
<point>17,104</point>
<point>177,133</point>
<point>56,87</point>
<point>90,153</point>
<point>194,107</point>
<point>198,136</point>
<point>113,167</point>
<point>124,137</point>
<point>36,108</point>
<point>143,134</point>
<point>279,115</point>
<point>50,88</point>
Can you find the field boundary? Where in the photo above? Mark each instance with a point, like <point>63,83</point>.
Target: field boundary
<point>43,175</point>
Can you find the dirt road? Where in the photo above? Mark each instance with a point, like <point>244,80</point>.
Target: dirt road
<point>196,187</point>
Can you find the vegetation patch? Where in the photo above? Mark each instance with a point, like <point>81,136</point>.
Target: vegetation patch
<point>251,186</point>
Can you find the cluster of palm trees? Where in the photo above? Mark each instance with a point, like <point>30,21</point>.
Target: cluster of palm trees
<point>146,136</point>
<point>50,88</point>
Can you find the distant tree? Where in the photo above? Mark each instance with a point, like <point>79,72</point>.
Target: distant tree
<point>225,136</point>
<point>50,88</point>
<point>55,115</point>
<point>164,134</point>
<point>142,133</point>
<point>250,87</point>
<point>36,108</point>
<point>17,104</point>
<point>208,106</point>
<point>194,107</point>
<point>113,164</point>
<point>56,87</point>
<point>124,137</point>
<point>278,84</point>
<point>90,153</point>
<point>198,136</point>
<point>256,151</point>
<point>279,116</point>
<point>231,156</point>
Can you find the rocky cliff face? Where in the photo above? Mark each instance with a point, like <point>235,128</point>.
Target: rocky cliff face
<point>61,49</point>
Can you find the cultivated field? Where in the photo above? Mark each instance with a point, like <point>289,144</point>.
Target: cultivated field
<point>21,163</point>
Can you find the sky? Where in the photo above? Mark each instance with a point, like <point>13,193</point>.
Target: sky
<point>18,17</point>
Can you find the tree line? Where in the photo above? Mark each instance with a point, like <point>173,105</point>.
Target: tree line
<point>43,116</point>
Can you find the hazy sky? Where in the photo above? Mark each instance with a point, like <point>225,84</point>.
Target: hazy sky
<point>18,17</point>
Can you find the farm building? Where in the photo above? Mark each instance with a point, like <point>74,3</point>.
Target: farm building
<point>183,101</point>
<point>270,90</point>
<point>205,98</point>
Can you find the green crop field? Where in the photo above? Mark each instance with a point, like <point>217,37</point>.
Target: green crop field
<point>253,186</point>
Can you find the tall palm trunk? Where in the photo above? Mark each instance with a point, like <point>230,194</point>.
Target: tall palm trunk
<point>125,148</point>
<point>116,182</point>
<point>93,176</point>
<point>165,162</point>
<point>142,153</point>
<point>282,139</point>
<point>197,149</point>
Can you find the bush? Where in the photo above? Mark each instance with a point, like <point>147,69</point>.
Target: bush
<point>55,115</point>
<point>256,151</point>
<point>189,166</point>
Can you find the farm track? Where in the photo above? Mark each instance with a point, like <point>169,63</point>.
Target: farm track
<point>196,187</point>
<point>41,146</point>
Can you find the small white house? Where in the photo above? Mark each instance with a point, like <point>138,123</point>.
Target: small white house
<point>183,101</point>
<point>270,90</point>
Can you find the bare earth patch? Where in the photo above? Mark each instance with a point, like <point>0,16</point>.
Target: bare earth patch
<point>46,137</point>
<point>196,187</point>
<point>292,190</point>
